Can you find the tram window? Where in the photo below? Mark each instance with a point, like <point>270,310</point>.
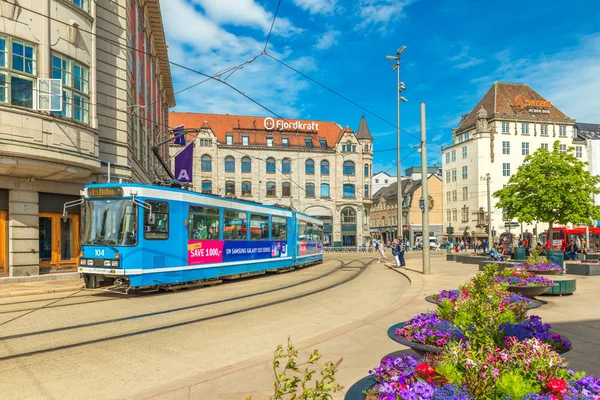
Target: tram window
<point>203,223</point>
<point>159,227</point>
<point>302,230</point>
<point>234,225</point>
<point>259,227</point>
<point>309,231</point>
<point>278,228</point>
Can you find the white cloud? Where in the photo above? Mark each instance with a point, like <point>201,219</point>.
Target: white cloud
<point>569,78</point>
<point>317,6</point>
<point>246,13</point>
<point>464,59</point>
<point>379,13</point>
<point>200,43</point>
<point>328,39</point>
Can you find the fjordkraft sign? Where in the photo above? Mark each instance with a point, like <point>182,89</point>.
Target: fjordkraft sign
<point>283,125</point>
<point>534,106</point>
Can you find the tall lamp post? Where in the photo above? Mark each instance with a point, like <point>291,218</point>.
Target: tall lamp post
<point>400,87</point>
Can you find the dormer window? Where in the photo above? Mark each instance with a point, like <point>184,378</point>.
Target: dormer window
<point>308,143</point>
<point>323,143</point>
<point>229,139</point>
<point>285,142</point>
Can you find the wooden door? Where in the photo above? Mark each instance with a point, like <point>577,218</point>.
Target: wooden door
<point>3,267</point>
<point>59,245</point>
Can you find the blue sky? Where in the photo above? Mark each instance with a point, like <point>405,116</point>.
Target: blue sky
<point>456,49</point>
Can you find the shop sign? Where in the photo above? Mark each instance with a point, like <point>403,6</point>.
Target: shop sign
<point>285,125</point>
<point>534,106</point>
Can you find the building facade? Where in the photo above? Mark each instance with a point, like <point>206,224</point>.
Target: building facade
<point>384,224</point>
<point>316,167</point>
<point>510,122</point>
<point>590,133</point>
<point>381,180</point>
<point>107,103</point>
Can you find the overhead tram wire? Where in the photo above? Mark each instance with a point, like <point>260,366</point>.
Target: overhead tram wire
<point>338,94</point>
<point>272,25</point>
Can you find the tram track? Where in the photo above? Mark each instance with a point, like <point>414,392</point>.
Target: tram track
<point>118,296</point>
<point>356,271</point>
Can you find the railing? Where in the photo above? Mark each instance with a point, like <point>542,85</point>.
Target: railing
<point>348,249</point>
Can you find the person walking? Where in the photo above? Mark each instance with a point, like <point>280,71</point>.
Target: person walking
<point>396,252</point>
<point>381,252</point>
<point>475,246</point>
<point>484,245</point>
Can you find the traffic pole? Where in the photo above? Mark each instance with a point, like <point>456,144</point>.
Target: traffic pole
<point>424,192</point>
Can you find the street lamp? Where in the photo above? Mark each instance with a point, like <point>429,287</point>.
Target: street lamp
<point>400,87</point>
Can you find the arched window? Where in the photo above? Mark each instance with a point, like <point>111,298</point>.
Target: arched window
<point>348,146</point>
<point>246,188</point>
<point>270,165</point>
<point>310,190</point>
<point>286,166</point>
<point>348,168</point>
<point>246,164</point>
<point>324,167</point>
<point>207,186</point>
<point>366,148</point>
<point>366,170</point>
<point>206,163</point>
<point>309,167</point>
<point>271,189</point>
<point>229,164</point>
<point>286,189</point>
<point>349,190</point>
<point>348,216</point>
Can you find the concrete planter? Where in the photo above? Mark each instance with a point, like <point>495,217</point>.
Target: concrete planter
<point>529,291</point>
<point>355,392</point>
<point>584,268</point>
<point>534,303</point>
<point>555,272</point>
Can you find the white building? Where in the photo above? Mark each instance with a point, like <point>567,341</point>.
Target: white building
<point>510,122</point>
<point>381,180</point>
<point>591,134</point>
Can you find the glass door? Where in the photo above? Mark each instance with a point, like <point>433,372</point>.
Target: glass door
<point>58,242</point>
<point>3,268</point>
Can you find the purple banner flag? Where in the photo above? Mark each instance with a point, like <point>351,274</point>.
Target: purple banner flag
<point>180,140</point>
<point>183,164</point>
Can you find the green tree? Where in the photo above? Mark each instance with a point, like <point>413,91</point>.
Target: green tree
<point>553,187</point>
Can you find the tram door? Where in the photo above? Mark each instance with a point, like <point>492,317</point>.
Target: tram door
<point>3,267</point>
<point>59,242</point>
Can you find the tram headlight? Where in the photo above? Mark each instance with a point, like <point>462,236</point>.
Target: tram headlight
<point>90,262</point>
<point>114,263</point>
<point>107,263</point>
<point>82,261</point>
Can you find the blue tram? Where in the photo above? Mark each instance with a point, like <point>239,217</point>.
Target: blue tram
<point>142,236</point>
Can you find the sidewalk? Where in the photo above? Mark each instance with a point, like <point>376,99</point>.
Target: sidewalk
<point>18,289</point>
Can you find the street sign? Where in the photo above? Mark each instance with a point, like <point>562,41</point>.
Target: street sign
<point>511,224</point>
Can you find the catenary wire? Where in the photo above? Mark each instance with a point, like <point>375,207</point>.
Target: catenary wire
<point>272,24</point>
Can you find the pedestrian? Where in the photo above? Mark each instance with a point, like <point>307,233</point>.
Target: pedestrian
<point>396,252</point>
<point>526,245</point>
<point>484,245</point>
<point>402,248</point>
<point>381,253</point>
<point>583,246</point>
<point>578,245</point>
<point>571,251</point>
<point>475,247</point>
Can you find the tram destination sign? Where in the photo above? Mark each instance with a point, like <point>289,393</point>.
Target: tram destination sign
<point>105,192</point>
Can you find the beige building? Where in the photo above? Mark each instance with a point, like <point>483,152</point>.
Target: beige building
<point>108,103</point>
<point>510,122</point>
<point>316,167</point>
<point>384,224</point>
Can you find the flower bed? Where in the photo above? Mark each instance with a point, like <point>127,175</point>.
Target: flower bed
<point>527,370</point>
<point>541,267</point>
<point>521,277</point>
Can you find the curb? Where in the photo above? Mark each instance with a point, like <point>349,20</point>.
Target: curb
<point>38,292</point>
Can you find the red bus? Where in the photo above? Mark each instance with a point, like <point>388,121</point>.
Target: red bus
<point>562,236</point>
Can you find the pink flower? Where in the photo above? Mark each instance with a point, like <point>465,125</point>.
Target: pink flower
<point>495,373</point>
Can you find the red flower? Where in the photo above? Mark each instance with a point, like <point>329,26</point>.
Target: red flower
<point>425,368</point>
<point>557,386</point>
<point>465,292</point>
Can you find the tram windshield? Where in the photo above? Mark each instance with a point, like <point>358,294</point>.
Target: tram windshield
<point>110,222</point>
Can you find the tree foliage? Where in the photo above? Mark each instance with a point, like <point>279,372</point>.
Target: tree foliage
<point>552,187</point>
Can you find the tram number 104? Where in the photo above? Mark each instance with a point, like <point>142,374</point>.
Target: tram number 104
<point>99,252</point>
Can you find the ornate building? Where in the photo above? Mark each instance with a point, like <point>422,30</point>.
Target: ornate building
<point>510,122</point>
<point>107,105</point>
<point>316,167</point>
